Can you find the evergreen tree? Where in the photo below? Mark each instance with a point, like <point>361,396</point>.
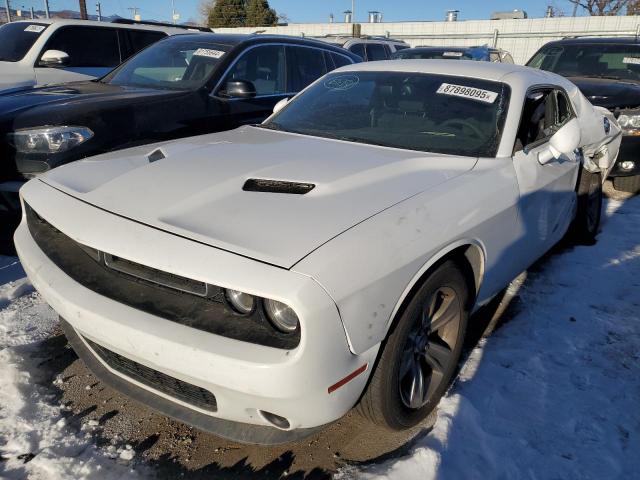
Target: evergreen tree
<point>259,14</point>
<point>227,13</point>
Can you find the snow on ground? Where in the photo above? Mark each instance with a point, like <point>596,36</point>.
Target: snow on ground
<point>554,393</point>
<point>35,441</point>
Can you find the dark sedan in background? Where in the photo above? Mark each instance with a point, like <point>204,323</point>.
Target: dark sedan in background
<point>607,71</point>
<point>182,86</point>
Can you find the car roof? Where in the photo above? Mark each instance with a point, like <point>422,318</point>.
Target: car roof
<point>496,72</point>
<point>596,40</point>
<point>75,21</point>
<point>238,38</point>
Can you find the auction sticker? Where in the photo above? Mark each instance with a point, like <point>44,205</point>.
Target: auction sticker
<point>452,54</point>
<point>631,60</point>
<point>205,52</point>
<point>34,28</point>
<point>471,93</point>
<point>342,82</point>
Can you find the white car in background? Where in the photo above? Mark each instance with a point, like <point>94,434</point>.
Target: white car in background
<point>258,283</point>
<point>38,52</point>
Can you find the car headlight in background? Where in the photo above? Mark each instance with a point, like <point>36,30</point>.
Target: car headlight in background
<point>281,315</point>
<point>630,123</point>
<point>49,139</point>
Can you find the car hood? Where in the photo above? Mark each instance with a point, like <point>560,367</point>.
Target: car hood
<point>86,94</point>
<point>608,93</point>
<point>196,191</point>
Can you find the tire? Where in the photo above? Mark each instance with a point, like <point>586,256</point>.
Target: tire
<point>387,400</point>
<point>629,184</point>
<point>585,226</point>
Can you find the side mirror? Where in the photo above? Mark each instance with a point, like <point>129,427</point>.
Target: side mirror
<point>563,142</point>
<point>239,89</point>
<point>54,58</point>
<point>280,105</point>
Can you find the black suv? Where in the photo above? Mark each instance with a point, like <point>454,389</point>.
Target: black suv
<point>182,86</point>
<point>607,71</point>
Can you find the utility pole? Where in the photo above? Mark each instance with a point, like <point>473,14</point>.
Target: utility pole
<point>6,3</point>
<point>173,11</point>
<point>83,9</point>
<point>99,11</point>
<point>46,9</point>
<point>353,11</point>
<point>33,15</point>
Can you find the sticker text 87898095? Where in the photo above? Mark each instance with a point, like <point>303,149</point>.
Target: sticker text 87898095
<point>470,93</point>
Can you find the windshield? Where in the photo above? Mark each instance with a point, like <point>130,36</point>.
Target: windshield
<point>432,55</point>
<point>424,112</point>
<point>17,38</point>
<point>619,61</point>
<point>174,63</point>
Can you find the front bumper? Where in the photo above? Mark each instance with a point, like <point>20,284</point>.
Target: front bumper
<point>245,378</point>
<point>629,151</point>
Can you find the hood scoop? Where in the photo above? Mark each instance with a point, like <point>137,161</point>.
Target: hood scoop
<point>277,186</point>
<point>156,155</point>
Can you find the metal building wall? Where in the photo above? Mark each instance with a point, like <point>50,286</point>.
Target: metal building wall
<point>520,37</point>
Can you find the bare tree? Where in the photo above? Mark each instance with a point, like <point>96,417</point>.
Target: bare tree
<point>204,9</point>
<point>283,18</point>
<point>602,7</point>
<point>633,8</point>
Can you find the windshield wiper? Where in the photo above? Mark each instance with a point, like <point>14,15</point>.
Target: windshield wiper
<point>269,126</point>
<point>608,77</point>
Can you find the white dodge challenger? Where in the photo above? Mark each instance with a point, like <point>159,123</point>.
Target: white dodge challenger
<point>261,282</point>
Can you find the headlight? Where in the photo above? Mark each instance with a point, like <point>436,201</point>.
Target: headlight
<point>49,139</point>
<point>630,123</point>
<point>241,302</point>
<point>281,315</point>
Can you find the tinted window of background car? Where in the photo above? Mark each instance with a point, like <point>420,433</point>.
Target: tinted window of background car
<point>17,38</point>
<point>590,60</point>
<point>179,64</point>
<point>432,54</point>
<point>375,51</point>
<point>340,60</point>
<point>87,46</point>
<point>139,40</point>
<point>264,66</point>
<point>307,64</point>
<point>358,49</point>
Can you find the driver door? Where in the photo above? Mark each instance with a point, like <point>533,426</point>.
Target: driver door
<point>547,191</point>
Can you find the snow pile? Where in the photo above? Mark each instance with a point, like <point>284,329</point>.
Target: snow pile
<point>35,441</point>
<point>555,392</point>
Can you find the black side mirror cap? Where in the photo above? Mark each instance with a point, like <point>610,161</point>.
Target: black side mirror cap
<point>239,89</point>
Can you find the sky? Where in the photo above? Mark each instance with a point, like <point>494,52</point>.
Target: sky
<point>319,10</point>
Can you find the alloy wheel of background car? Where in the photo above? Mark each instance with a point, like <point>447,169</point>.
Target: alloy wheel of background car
<point>629,184</point>
<point>421,354</point>
<point>429,348</point>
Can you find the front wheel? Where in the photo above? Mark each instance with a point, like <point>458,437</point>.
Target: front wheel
<point>421,353</point>
<point>585,226</point>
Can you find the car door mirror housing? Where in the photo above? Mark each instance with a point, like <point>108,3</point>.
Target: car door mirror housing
<point>239,89</point>
<point>563,142</point>
<point>54,58</point>
<point>280,105</point>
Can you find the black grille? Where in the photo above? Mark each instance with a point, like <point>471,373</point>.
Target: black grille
<point>164,295</point>
<point>157,380</point>
<point>277,186</point>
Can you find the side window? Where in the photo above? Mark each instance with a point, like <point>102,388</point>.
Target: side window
<point>307,66</point>
<point>401,47</point>
<point>544,112</point>
<point>376,51</point>
<point>87,46</point>
<point>358,49</point>
<point>264,66</point>
<point>139,40</point>
<point>340,60</point>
